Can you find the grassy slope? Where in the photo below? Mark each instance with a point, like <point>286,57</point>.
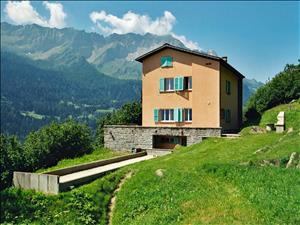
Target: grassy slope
<point>84,205</point>
<point>202,184</point>
<point>206,183</point>
<point>97,154</point>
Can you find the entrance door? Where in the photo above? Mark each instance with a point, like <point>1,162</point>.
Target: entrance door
<point>168,142</point>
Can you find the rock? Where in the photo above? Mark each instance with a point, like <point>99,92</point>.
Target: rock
<point>257,130</point>
<point>293,161</point>
<point>159,172</point>
<point>270,127</point>
<point>290,130</point>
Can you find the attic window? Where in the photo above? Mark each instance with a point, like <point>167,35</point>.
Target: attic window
<point>166,61</point>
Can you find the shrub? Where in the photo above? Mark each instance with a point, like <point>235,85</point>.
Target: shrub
<point>11,158</point>
<point>130,113</point>
<point>283,88</point>
<point>54,142</point>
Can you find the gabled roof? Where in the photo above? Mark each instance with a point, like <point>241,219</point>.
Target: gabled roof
<point>197,53</point>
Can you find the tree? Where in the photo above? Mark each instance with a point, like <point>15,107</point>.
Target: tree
<point>11,158</point>
<point>57,141</point>
<point>130,113</point>
<point>283,88</point>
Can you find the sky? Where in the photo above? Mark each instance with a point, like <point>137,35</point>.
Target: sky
<point>259,38</point>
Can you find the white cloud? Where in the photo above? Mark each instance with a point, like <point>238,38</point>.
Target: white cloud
<point>22,12</point>
<point>188,43</point>
<point>132,22</point>
<point>57,14</point>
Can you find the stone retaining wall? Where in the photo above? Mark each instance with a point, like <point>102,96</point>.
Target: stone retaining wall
<point>126,137</point>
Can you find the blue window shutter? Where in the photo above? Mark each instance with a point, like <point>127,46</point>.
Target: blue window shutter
<point>176,83</point>
<point>156,115</point>
<point>180,86</point>
<point>166,61</point>
<point>176,115</point>
<point>163,62</point>
<point>180,116</point>
<point>169,61</point>
<point>162,84</point>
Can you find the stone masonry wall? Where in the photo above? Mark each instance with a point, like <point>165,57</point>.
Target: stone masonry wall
<point>126,137</point>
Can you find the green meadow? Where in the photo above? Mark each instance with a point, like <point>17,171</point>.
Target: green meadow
<point>218,181</point>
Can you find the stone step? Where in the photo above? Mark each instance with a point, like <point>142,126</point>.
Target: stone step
<point>158,152</point>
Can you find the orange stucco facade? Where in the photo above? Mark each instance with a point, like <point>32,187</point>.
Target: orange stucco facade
<point>207,98</point>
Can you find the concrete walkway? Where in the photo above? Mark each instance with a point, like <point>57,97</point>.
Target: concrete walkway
<point>69,178</point>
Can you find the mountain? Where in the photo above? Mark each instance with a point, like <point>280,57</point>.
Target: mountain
<point>113,55</point>
<point>249,87</point>
<point>53,74</point>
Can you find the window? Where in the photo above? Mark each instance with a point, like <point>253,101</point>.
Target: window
<point>167,115</point>
<point>188,83</point>
<point>228,87</point>
<point>175,84</point>
<point>169,84</point>
<point>166,61</point>
<point>188,115</point>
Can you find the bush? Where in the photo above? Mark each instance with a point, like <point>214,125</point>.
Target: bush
<point>54,142</point>
<point>11,158</point>
<point>283,88</point>
<point>43,148</point>
<point>130,113</point>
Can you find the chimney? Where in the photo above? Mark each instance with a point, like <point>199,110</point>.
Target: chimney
<point>225,58</point>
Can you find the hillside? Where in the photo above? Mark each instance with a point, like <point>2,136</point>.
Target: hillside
<point>218,181</point>
<point>32,96</point>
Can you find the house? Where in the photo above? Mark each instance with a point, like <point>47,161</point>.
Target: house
<point>186,95</point>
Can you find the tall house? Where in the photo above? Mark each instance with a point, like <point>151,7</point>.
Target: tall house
<point>184,88</point>
<point>186,96</point>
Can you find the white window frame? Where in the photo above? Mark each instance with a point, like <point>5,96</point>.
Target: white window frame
<point>169,82</point>
<point>190,83</point>
<point>188,112</point>
<point>164,114</point>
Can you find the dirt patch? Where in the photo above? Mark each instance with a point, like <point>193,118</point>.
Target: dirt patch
<point>112,203</point>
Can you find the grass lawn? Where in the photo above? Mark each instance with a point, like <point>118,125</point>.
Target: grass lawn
<point>218,181</point>
<point>84,205</point>
<point>98,154</point>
